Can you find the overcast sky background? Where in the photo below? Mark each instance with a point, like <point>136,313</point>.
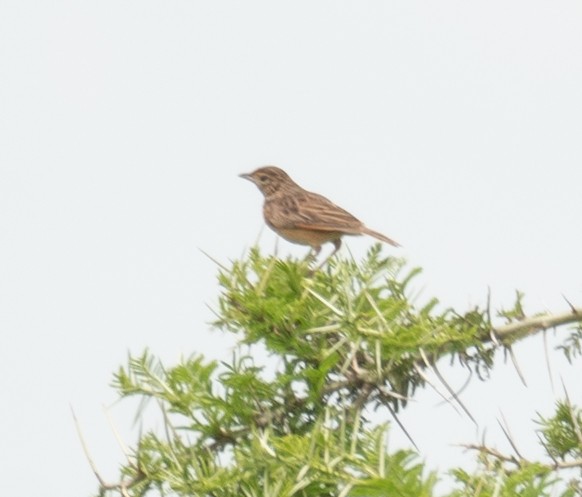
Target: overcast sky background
<point>454,127</point>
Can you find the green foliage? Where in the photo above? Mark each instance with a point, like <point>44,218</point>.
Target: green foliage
<point>572,346</point>
<point>348,318</point>
<point>507,476</point>
<point>492,479</point>
<point>346,338</point>
<point>516,313</point>
<point>562,433</point>
<point>226,444</point>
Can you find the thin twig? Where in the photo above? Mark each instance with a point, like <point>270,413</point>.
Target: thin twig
<point>390,393</point>
<point>219,264</point>
<point>516,365</point>
<point>397,419</point>
<point>546,448</point>
<point>493,452</point>
<point>571,305</point>
<point>508,435</point>
<point>118,438</point>
<point>453,393</point>
<point>121,486</point>
<point>427,380</point>
<point>547,357</point>
<point>86,451</point>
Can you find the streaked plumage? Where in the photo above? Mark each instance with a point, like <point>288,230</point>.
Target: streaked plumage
<point>304,217</point>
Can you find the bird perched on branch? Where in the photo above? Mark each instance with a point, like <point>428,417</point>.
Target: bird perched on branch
<point>303,217</point>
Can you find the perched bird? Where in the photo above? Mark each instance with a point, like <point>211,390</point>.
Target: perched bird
<point>304,217</point>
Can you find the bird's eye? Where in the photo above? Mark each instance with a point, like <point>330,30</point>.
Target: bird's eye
<point>263,178</point>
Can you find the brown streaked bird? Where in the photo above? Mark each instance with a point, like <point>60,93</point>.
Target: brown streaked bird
<point>303,217</point>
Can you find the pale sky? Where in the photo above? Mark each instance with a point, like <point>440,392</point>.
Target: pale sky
<point>454,127</point>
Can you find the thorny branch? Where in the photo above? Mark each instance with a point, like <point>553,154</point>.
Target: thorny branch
<point>531,325</point>
<point>359,376</point>
<point>122,486</point>
<point>521,461</point>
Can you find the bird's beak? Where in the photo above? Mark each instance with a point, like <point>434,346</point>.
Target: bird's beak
<point>246,176</point>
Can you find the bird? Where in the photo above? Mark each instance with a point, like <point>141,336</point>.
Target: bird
<point>303,217</point>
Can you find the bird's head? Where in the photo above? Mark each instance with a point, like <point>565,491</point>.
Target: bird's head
<point>269,179</point>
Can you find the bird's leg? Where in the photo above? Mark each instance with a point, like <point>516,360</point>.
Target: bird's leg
<point>337,243</point>
<point>312,254</point>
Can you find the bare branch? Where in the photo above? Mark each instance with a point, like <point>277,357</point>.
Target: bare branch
<point>531,325</point>
<point>493,452</point>
<point>577,463</point>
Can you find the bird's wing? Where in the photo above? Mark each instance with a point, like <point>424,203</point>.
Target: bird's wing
<point>307,210</point>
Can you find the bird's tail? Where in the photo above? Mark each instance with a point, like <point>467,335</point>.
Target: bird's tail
<point>379,236</point>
